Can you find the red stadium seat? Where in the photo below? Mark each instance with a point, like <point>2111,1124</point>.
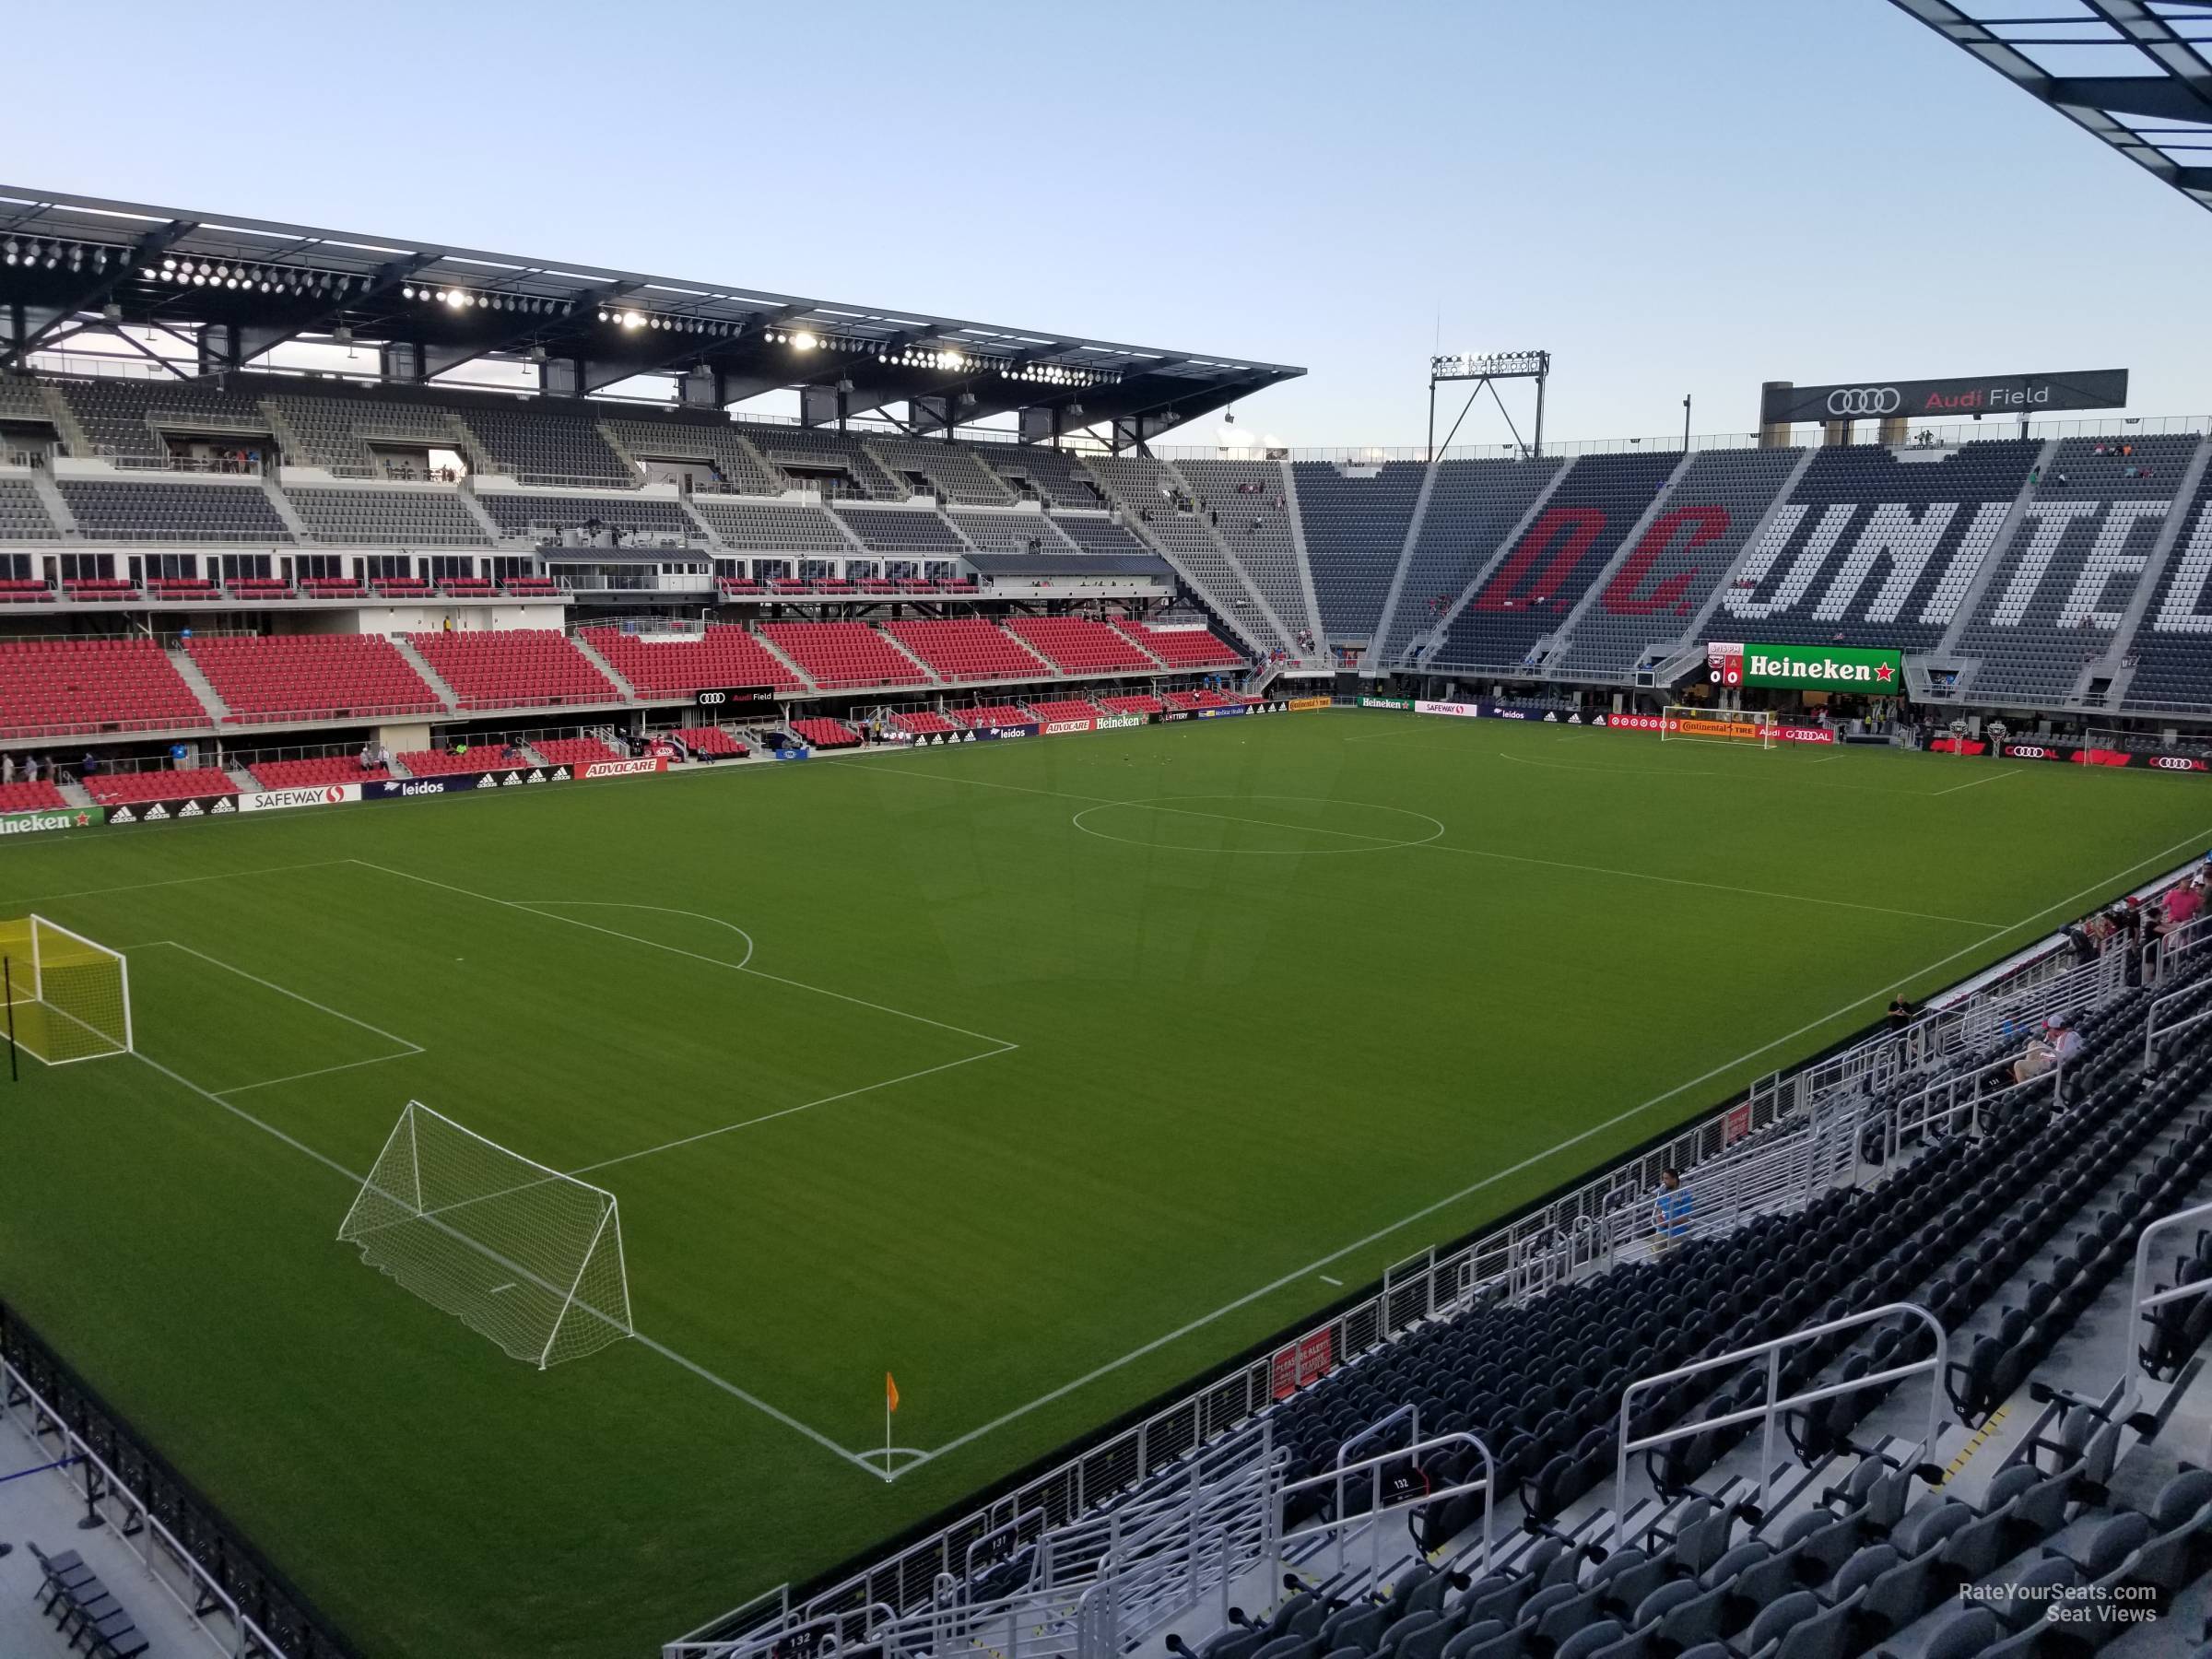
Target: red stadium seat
<point>576,751</point>
<point>1184,647</point>
<point>311,677</point>
<point>512,668</point>
<point>1077,645</point>
<point>122,789</point>
<point>821,732</point>
<point>967,649</point>
<point>52,688</point>
<point>676,665</point>
<point>839,656</point>
<point>315,773</point>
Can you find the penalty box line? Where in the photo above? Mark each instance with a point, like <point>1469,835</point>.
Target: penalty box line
<point>406,1050</point>
<point>1313,1268</point>
<point>662,1348</point>
<point>999,1045</point>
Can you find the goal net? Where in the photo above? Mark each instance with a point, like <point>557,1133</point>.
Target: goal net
<point>1689,724</point>
<point>68,998</point>
<point>523,1254</point>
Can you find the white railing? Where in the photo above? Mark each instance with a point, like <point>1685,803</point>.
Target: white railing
<point>134,1524</point>
<point>1128,1571</point>
<point>1768,1412</point>
<point>1343,1529</point>
<point>2143,1300</point>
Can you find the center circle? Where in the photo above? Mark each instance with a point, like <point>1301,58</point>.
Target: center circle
<point>1232,814</point>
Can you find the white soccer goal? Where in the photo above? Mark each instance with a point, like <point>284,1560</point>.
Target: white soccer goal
<point>1688,722</point>
<point>527,1255</point>
<point>68,998</point>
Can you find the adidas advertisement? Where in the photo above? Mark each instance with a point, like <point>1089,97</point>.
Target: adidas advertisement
<point>932,739</point>
<point>54,818</point>
<point>168,812</point>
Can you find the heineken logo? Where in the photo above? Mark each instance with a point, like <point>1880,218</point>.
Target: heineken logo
<point>1878,672</point>
<point>1819,668</point>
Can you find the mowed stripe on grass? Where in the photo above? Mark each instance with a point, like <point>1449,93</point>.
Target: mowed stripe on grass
<point>1227,1065</point>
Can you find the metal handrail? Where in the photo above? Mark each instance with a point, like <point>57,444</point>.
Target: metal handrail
<point>2140,1302</point>
<point>208,1596</point>
<point>1771,1409</point>
<point>1342,1525</point>
<point>2151,1031</point>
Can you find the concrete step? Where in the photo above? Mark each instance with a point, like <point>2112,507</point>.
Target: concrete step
<point>202,687</point>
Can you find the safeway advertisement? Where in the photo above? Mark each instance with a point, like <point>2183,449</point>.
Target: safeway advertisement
<point>284,800</point>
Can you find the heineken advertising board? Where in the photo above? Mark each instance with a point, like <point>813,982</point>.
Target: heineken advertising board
<point>1868,672</point>
<point>52,817</point>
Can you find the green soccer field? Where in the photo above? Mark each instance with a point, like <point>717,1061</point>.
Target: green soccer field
<point>1042,1075</point>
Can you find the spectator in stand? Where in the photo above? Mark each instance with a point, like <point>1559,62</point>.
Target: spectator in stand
<point>30,768</point>
<point>1900,1012</point>
<point>2057,1045</point>
<point>177,755</point>
<point>1670,1211</point>
<point>2184,902</point>
<point>368,757</point>
<point>89,767</point>
<point>7,769</point>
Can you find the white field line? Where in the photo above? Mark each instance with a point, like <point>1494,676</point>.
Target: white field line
<point>696,1369</point>
<point>1992,778</point>
<point>1384,841</point>
<point>140,886</point>
<point>1001,1043</point>
<point>1313,1269</point>
<point>406,1050</point>
<point>769,1117</point>
<point>323,1071</point>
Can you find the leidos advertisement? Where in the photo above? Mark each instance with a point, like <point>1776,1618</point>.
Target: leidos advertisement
<point>1867,671</point>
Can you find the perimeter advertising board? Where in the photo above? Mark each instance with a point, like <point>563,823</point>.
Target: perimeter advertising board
<point>51,817</point>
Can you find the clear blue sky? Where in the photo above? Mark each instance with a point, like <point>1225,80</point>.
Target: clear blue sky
<point>1672,197</point>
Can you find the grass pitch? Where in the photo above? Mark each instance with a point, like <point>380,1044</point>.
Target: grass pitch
<point>1042,1075</point>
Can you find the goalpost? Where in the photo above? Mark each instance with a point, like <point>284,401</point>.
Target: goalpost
<point>521,1253</point>
<point>1688,723</point>
<point>68,997</point>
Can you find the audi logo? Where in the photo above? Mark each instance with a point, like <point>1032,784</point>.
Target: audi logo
<point>2175,763</point>
<point>2029,751</point>
<point>707,700</point>
<point>1865,400</point>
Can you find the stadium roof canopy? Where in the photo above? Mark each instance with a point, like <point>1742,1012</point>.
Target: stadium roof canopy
<point>2133,72</point>
<point>238,288</point>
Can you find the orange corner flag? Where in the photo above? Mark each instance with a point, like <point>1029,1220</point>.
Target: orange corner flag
<point>890,1392</point>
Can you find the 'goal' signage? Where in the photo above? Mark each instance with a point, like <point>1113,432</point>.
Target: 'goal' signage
<point>1866,670</point>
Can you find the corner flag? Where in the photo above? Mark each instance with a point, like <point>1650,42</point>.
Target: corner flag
<point>890,1392</point>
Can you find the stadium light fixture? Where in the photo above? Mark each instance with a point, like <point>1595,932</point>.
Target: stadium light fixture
<point>631,320</point>
<point>803,341</point>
